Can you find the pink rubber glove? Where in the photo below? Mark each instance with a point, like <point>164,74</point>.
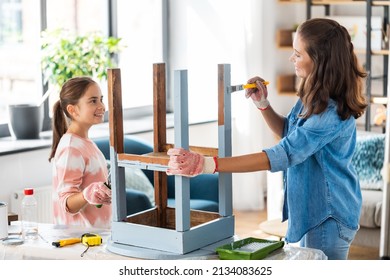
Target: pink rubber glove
<point>97,194</point>
<point>189,164</point>
<point>258,94</point>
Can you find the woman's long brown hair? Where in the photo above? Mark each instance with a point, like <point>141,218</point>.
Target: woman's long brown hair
<point>71,92</point>
<point>336,72</point>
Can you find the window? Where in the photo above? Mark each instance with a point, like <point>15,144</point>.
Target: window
<point>11,21</point>
<point>138,22</point>
<point>79,18</point>
<point>205,34</point>
<point>19,55</point>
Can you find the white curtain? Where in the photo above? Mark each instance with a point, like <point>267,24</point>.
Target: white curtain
<point>257,55</point>
<point>248,128</point>
<point>206,33</point>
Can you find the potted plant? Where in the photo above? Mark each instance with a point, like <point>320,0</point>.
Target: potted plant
<point>64,56</point>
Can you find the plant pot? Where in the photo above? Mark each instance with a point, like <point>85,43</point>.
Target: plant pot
<point>25,120</point>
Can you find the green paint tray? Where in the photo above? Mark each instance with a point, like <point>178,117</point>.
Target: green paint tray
<point>248,249</point>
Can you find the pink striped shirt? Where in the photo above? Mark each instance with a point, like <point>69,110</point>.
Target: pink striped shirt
<point>78,163</point>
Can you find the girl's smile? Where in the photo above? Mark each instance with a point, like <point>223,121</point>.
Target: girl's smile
<point>88,111</point>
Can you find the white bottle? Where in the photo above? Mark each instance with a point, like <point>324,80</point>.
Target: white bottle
<point>29,215</point>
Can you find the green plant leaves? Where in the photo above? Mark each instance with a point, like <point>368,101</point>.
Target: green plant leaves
<point>65,55</point>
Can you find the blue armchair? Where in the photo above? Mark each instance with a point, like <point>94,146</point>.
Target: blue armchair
<point>203,188</point>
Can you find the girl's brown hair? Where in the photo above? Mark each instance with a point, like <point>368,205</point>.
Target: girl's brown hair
<point>336,72</point>
<point>70,93</point>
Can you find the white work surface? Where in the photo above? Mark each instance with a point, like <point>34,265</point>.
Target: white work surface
<point>43,249</point>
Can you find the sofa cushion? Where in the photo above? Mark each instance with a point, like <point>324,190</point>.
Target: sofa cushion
<point>371,209</point>
<point>368,160</point>
<point>137,202</point>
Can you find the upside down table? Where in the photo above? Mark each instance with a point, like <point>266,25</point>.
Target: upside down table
<point>165,232</point>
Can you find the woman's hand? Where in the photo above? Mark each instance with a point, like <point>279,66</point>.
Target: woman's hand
<point>258,94</point>
<point>97,194</point>
<point>189,164</point>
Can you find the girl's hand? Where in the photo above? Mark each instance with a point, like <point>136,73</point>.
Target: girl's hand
<point>97,194</point>
<point>258,94</point>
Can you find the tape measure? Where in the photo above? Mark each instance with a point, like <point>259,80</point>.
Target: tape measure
<point>91,239</point>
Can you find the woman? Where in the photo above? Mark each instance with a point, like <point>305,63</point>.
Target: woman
<point>322,198</point>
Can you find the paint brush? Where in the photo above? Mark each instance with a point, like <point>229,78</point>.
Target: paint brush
<point>246,86</point>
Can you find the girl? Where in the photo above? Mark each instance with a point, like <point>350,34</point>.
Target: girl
<point>79,167</point>
<point>322,199</point>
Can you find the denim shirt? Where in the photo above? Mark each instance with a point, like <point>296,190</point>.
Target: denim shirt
<point>319,179</point>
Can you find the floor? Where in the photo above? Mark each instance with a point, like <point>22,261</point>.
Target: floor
<point>247,225</point>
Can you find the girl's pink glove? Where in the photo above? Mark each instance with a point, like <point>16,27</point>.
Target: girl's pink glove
<point>258,94</point>
<point>97,194</point>
<point>189,164</point>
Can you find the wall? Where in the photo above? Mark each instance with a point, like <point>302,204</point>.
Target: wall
<point>21,170</point>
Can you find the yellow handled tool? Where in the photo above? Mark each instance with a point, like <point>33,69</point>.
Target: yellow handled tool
<point>266,83</point>
<point>64,242</point>
<point>246,86</point>
<point>88,239</point>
